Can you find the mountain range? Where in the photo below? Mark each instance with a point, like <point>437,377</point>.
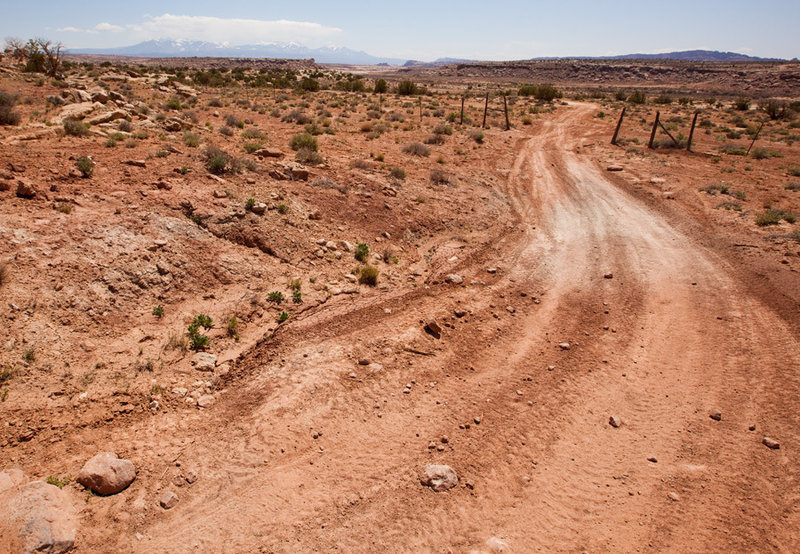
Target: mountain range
<point>166,48</point>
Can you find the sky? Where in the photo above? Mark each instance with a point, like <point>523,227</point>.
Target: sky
<point>411,29</point>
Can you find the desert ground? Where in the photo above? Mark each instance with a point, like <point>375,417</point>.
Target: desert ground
<point>282,308</point>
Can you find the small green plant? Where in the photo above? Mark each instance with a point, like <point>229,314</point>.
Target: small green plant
<point>60,483</point>
<point>477,136</point>
<point>398,173</point>
<point>295,284</point>
<point>275,297</point>
<point>203,320</point>
<point>75,128</point>
<point>64,207</point>
<point>283,316</point>
<point>174,103</point>
<point>232,327</point>
<point>197,341</point>
<point>282,209</point>
<point>158,311</point>
<point>369,276</point>
<point>417,149</point>
<point>303,141</point>
<point>637,97</point>
<point>297,296</point>
<point>85,166</point>
<point>249,203</point>
<point>794,171</point>
<point>251,147</point>
<point>362,251</point>
<point>6,372</point>
<point>217,160</point>
<point>29,356</point>
<point>774,217</point>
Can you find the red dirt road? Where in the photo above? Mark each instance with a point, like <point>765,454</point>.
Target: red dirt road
<point>309,451</point>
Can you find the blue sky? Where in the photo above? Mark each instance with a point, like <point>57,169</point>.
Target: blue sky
<point>426,30</point>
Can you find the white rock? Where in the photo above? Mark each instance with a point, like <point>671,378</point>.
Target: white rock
<point>439,477</point>
<point>107,474</point>
<point>454,278</point>
<point>203,361</point>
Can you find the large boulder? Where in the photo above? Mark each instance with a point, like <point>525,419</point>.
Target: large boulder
<point>35,516</point>
<point>76,111</point>
<point>107,474</point>
<point>439,477</point>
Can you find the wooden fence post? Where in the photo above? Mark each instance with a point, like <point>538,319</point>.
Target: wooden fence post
<point>755,138</point>
<point>619,124</point>
<point>691,133</point>
<point>653,134</point>
<point>485,109</point>
<point>461,121</point>
<point>420,110</point>
<point>505,107</point>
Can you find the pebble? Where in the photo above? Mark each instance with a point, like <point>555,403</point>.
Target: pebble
<point>772,444</point>
<point>168,500</point>
<point>614,421</point>
<point>716,415</point>
<point>674,497</point>
<point>564,346</point>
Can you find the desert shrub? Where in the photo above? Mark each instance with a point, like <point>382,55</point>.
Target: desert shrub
<point>794,171</point>
<point>760,154</point>
<point>407,88</point>
<point>776,109</point>
<point>308,84</point>
<point>439,177</point>
<point>217,161</point>
<point>158,311</point>
<point>85,166</point>
<point>435,139</point>
<point>283,316</point>
<point>546,93</point>
<point>233,121</point>
<point>7,114</point>
<point>296,116</point>
<point>275,297</point>
<point>398,173</point>
<point>308,156</point>
<point>733,150</point>
<point>663,99</point>
<point>215,103</point>
<point>232,327</point>
<point>477,136</point>
<point>794,187</point>
<point>742,104</point>
<point>174,103</point>
<point>442,129</point>
<point>282,209</point>
<point>192,140</point>
<point>251,147</point>
<point>416,149</point>
<point>621,95</point>
<point>75,128</point>
<point>303,141</point>
<point>381,86</point>
<point>313,129</point>
<point>361,164</point>
<point>638,97</point>
<point>361,252</point>
<point>256,134</point>
<point>773,217</point>
<point>369,276</point>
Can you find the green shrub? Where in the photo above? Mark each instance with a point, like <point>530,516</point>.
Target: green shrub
<point>203,320</point>
<point>308,84</point>
<point>232,327</point>
<point>416,149</point>
<point>398,173</point>
<point>297,297</point>
<point>773,217</point>
<point>275,297</point>
<point>638,97</point>
<point>362,251</point>
<point>742,104</point>
<point>308,156</point>
<point>251,147</point>
<point>217,160</point>
<point>174,103</point>
<point>407,88</point>
<point>192,140</point>
<point>283,316</point>
<point>381,87</point>
<point>477,136</point>
<point>303,140</point>
<point>283,209</point>
<point>85,166</point>
<point>75,128</point>
<point>369,276</point>
<point>158,311</point>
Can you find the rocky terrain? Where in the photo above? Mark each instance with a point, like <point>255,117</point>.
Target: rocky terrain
<point>254,314</point>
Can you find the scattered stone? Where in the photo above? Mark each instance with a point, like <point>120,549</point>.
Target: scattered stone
<point>491,270</point>
<point>772,444</point>
<point>614,168</point>
<point>268,153</point>
<point>190,475</point>
<point>204,361</point>
<point>206,401</point>
<point>25,189</point>
<point>35,517</point>
<point>454,278</point>
<point>477,420</point>
<point>608,276</point>
<point>259,208</point>
<point>564,346</point>
<point>614,421</point>
<point>496,545</point>
<point>168,499</point>
<point>460,312</point>
<point>105,117</point>
<point>363,361</point>
<point>674,497</point>
<point>439,477</point>
<point>107,474</point>
<point>134,163</point>
<point>652,459</point>
<point>433,328</point>
<point>716,415</point>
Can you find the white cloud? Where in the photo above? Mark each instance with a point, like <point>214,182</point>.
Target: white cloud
<point>233,31</point>
<point>100,27</point>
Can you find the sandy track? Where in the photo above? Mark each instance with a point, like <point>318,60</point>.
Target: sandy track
<point>669,338</point>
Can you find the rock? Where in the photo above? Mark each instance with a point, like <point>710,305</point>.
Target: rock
<point>25,189</point>
<point>105,117</point>
<point>190,475</point>
<point>496,545</point>
<point>107,474</point>
<point>135,163</point>
<point>439,477</point>
<point>608,276</point>
<point>564,345</point>
<point>652,459</point>
<point>432,327</point>
<point>454,278</point>
<point>460,312</point>
<point>657,180</point>
<point>206,401</point>
<point>674,497</point>
<point>363,361</point>
<point>716,415</point>
<point>98,94</point>
<point>173,125</point>
<point>614,168</point>
<point>76,111</point>
<point>203,361</point>
<point>35,517</point>
<point>347,246</point>
<point>614,421</point>
<point>268,153</point>
<point>168,500</point>
<point>259,208</point>
<point>298,173</point>
<point>491,270</point>
<point>772,444</point>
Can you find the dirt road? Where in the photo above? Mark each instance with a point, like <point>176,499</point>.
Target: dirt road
<point>310,451</point>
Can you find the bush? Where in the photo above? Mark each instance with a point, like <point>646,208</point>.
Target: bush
<point>251,147</point>
<point>776,109</point>
<point>174,103</point>
<point>381,87</point>
<point>439,177</point>
<point>442,129</point>
<point>416,149</point>
<point>7,114</point>
<point>158,311</point>
<point>192,140</point>
<point>75,128</point>
<point>742,104</point>
<point>760,154</point>
<point>217,160</point>
<point>369,276</point>
<point>398,173</point>
<point>308,84</point>
<point>362,251</point>
<point>304,140</point>
<point>546,93</point>
<point>308,156</point>
<point>85,166</point>
<point>275,297</point>
<point>773,217</point>
<point>407,88</point>
<point>477,136</point>
<point>637,97</point>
